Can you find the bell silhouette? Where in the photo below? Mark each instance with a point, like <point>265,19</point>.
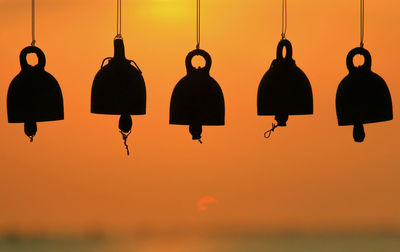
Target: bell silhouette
<point>284,90</point>
<point>34,95</point>
<point>119,89</point>
<point>197,99</point>
<point>362,96</point>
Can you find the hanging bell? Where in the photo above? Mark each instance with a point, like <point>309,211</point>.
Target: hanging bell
<point>34,95</point>
<point>284,90</point>
<point>362,96</point>
<point>197,99</point>
<point>119,89</point>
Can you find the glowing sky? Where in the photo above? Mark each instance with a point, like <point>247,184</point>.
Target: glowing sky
<point>311,174</point>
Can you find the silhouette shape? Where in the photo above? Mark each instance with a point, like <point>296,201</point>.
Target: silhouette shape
<point>284,89</point>
<point>197,99</point>
<point>362,96</point>
<point>34,95</point>
<point>119,89</point>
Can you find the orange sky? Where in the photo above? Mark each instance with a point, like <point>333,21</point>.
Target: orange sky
<point>76,174</point>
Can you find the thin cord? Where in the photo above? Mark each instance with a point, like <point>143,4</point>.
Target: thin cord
<point>198,24</point>
<point>119,19</point>
<point>125,138</point>
<point>284,19</point>
<point>268,133</point>
<point>362,22</point>
<point>33,24</point>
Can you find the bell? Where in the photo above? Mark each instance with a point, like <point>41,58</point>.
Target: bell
<point>362,96</point>
<point>34,95</point>
<point>197,99</point>
<point>284,90</point>
<point>119,89</point>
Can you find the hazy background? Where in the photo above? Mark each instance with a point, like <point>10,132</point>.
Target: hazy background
<point>309,177</point>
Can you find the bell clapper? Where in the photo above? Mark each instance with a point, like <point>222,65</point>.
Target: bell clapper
<point>281,119</point>
<point>195,130</point>
<point>125,126</point>
<point>30,129</point>
<point>358,133</point>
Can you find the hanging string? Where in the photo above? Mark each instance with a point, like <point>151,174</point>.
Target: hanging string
<point>119,19</point>
<point>284,19</point>
<point>125,138</point>
<point>362,22</point>
<point>268,133</point>
<point>33,24</point>
<point>198,24</point>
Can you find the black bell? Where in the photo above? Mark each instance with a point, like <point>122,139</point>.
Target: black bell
<point>34,95</point>
<point>197,99</point>
<point>362,96</point>
<point>119,89</point>
<point>284,90</point>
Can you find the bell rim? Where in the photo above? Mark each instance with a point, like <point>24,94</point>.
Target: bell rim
<point>40,120</point>
<point>275,113</point>
<point>202,124</point>
<point>114,113</point>
<point>366,122</point>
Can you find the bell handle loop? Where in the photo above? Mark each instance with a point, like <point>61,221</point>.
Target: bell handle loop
<point>104,60</point>
<point>359,51</point>
<point>198,52</point>
<point>39,53</point>
<point>137,67</point>
<point>289,50</point>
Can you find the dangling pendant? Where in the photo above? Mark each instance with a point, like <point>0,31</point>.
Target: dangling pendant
<point>125,126</point>
<point>196,130</point>
<point>30,129</point>
<point>358,133</point>
<point>281,119</point>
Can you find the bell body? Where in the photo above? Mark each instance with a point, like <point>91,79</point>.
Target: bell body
<point>284,89</point>
<point>197,99</point>
<point>362,96</point>
<point>34,95</point>
<point>119,88</point>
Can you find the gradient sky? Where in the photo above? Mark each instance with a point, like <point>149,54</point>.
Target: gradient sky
<point>311,174</point>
